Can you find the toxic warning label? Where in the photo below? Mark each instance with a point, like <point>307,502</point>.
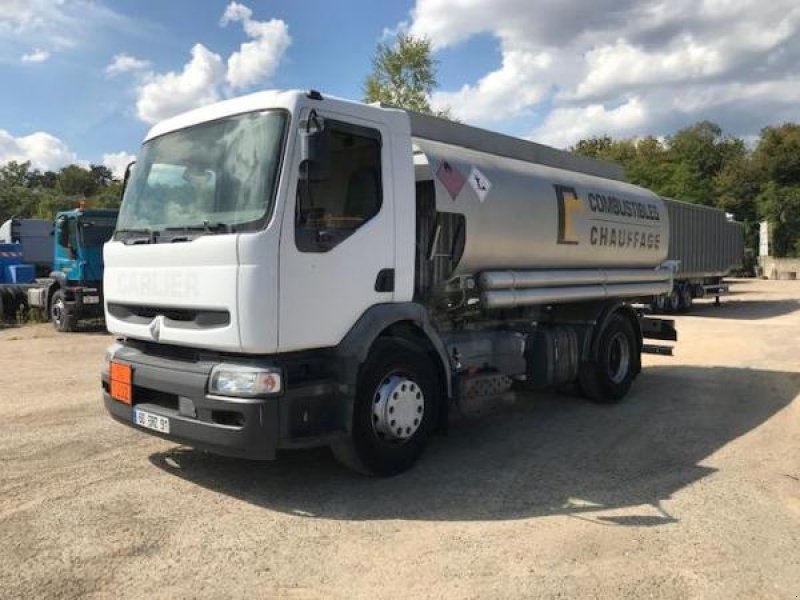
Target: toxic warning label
<point>480,183</point>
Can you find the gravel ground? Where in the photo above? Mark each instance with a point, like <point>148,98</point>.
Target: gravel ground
<point>689,488</point>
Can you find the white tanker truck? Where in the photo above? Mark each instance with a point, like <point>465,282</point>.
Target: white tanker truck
<point>290,271</point>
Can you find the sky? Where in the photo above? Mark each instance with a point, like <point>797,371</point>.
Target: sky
<point>83,80</point>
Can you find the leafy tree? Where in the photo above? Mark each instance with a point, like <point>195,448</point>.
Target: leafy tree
<point>778,154</point>
<point>595,147</point>
<point>16,197</point>
<point>26,192</point>
<point>780,205</point>
<point>39,179</point>
<point>77,181</point>
<point>700,153</point>
<point>403,75</point>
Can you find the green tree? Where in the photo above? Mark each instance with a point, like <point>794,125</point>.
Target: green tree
<point>780,205</point>
<point>776,161</point>
<point>600,147</point>
<point>700,153</point>
<point>777,154</point>
<point>74,180</point>
<point>17,197</point>
<point>26,192</point>
<point>403,75</point>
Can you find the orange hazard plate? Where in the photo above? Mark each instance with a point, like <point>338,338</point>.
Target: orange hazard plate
<point>121,382</point>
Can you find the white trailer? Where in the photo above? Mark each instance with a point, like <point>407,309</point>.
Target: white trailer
<point>292,270</point>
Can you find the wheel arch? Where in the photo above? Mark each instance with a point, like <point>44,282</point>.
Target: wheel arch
<point>58,281</point>
<point>407,321</point>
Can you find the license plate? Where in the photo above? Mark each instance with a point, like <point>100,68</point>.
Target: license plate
<point>151,421</point>
<point>91,299</point>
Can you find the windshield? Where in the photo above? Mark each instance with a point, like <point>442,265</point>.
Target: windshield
<point>218,176</point>
<point>96,231</point>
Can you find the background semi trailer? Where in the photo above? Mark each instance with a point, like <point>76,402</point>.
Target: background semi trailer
<point>706,245</point>
<point>15,278</point>
<point>74,288</point>
<point>290,271</point>
<point>35,238</point>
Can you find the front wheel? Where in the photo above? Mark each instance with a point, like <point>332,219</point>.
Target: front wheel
<point>608,377</point>
<point>395,412</point>
<point>60,314</point>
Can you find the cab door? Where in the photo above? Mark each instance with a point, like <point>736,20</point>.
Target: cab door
<point>338,236</point>
<point>65,257</point>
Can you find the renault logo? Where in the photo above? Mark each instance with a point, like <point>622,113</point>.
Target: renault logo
<point>155,327</point>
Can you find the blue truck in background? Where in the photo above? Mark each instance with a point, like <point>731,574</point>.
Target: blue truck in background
<point>74,288</point>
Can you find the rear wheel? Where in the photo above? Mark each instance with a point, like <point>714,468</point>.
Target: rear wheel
<point>60,314</point>
<point>673,302</point>
<point>686,298</point>
<point>609,376</point>
<point>395,412</point>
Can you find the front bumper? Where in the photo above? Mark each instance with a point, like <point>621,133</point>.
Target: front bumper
<point>85,302</point>
<point>308,413</point>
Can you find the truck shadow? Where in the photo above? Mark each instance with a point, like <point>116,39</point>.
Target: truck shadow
<point>745,310</point>
<point>548,455</point>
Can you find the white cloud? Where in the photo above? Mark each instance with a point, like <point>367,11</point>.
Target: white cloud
<point>564,126</point>
<point>36,56</point>
<point>60,24</point>
<point>171,93</point>
<point>622,66</point>
<point>206,78</point>
<point>118,162</point>
<point>489,98</point>
<point>124,63</point>
<point>389,34</point>
<point>43,150</point>
<point>25,15</point>
<point>255,61</point>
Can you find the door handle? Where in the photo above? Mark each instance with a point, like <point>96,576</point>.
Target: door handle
<point>385,281</point>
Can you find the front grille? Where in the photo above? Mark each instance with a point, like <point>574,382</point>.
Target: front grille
<point>167,351</point>
<point>191,317</point>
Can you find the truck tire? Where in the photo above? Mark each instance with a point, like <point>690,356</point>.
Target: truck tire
<point>686,298</point>
<point>659,304</point>
<point>395,410</point>
<point>60,314</point>
<point>607,378</point>
<point>673,302</point>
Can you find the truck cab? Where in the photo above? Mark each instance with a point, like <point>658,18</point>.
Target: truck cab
<point>74,288</point>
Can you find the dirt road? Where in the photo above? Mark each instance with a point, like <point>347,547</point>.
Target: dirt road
<point>689,488</point>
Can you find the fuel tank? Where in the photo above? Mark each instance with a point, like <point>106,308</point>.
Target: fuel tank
<point>523,215</point>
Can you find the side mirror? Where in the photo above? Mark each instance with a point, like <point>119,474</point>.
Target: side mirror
<point>128,170</point>
<point>62,233</point>
<point>314,154</point>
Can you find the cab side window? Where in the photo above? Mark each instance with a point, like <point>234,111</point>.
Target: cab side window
<point>333,205</point>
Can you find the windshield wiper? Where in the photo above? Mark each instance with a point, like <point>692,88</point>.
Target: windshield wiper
<point>206,227</point>
<point>147,236</point>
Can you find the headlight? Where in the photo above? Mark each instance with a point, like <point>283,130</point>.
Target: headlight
<point>241,380</point>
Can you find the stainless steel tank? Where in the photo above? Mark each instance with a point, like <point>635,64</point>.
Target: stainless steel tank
<point>521,215</point>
